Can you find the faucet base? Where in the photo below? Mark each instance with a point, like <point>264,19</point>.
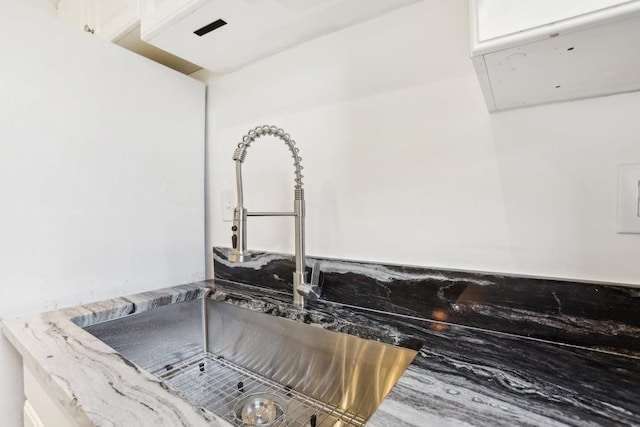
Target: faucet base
<point>298,300</point>
<point>239,257</point>
<point>298,282</point>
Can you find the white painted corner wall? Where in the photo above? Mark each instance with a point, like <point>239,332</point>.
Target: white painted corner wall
<point>101,175</point>
<point>404,164</point>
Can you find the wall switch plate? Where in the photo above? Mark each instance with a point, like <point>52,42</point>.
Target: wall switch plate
<point>228,205</point>
<point>629,199</point>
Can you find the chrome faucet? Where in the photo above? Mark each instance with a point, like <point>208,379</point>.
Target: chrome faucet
<point>301,288</point>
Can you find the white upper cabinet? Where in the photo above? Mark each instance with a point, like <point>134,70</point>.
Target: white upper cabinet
<point>533,52</point>
<point>223,35</point>
<point>108,19</point>
<point>75,13</point>
<point>115,18</point>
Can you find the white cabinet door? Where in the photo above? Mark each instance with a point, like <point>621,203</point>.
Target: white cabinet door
<point>498,18</point>
<point>108,19</point>
<point>529,53</point>
<point>31,418</point>
<point>75,13</point>
<point>41,409</point>
<point>115,18</point>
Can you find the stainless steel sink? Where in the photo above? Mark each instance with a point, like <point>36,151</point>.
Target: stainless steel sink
<point>256,369</point>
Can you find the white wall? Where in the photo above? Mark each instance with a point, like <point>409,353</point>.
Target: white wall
<point>101,175</point>
<point>403,163</point>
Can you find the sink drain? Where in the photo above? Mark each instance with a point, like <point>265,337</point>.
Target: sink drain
<point>259,409</point>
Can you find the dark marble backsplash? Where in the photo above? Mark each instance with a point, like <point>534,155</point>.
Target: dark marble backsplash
<point>598,316</point>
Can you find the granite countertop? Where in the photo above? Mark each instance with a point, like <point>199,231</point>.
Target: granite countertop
<point>89,379</point>
<point>461,375</point>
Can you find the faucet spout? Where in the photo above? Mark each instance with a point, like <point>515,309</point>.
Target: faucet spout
<point>239,251</point>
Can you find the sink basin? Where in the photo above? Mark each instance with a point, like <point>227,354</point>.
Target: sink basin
<point>252,368</point>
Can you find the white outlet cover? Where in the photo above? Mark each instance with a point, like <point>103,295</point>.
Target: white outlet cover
<point>629,199</point>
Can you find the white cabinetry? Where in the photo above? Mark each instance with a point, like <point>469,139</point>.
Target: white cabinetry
<point>108,19</point>
<point>527,53</point>
<point>40,409</point>
<point>74,13</point>
<point>31,418</point>
<point>119,21</point>
<point>115,18</point>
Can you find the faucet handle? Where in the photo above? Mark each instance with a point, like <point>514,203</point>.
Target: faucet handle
<point>315,274</point>
<point>313,289</point>
<point>316,281</point>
